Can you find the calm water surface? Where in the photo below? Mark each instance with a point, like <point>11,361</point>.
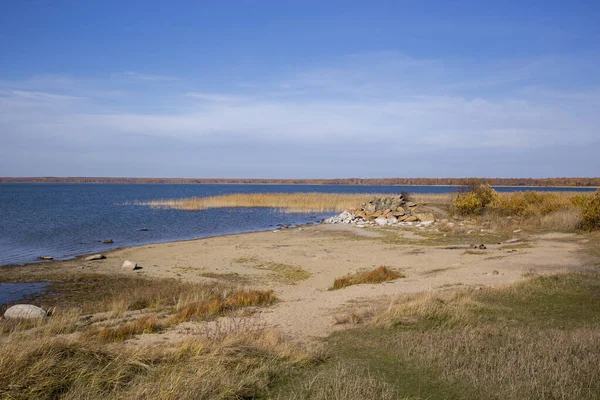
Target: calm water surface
<point>66,220</point>
<point>13,292</point>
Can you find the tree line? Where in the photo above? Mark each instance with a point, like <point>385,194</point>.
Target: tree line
<point>566,181</point>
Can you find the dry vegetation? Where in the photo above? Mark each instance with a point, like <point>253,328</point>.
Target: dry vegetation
<point>73,354</point>
<point>546,210</point>
<point>533,340</point>
<point>378,275</point>
<point>287,202</point>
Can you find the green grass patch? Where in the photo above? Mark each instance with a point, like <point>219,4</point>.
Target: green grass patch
<point>284,273</point>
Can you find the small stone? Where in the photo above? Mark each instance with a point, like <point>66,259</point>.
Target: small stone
<point>24,311</point>
<point>513,240</point>
<point>482,247</point>
<point>495,272</point>
<point>411,204</point>
<point>129,265</point>
<point>47,258</point>
<point>143,230</point>
<point>95,257</point>
<point>108,241</point>
<point>411,218</point>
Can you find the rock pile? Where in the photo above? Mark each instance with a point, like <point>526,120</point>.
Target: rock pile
<point>385,211</point>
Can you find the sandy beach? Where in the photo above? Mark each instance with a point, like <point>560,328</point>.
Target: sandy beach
<point>301,263</point>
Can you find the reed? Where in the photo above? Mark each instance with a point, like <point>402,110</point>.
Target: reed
<point>286,202</point>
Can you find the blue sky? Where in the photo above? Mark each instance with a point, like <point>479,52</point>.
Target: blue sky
<point>282,89</point>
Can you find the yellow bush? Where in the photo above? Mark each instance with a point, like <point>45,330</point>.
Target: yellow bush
<point>529,204</point>
<point>590,213</point>
<point>475,200</point>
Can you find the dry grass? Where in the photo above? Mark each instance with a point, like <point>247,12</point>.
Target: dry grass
<point>222,303</point>
<point>100,293</point>
<point>287,202</point>
<point>536,339</point>
<point>533,203</point>
<point>432,199</point>
<point>241,366</point>
<point>345,382</point>
<point>533,340</point>
<point>378,275</point>
<point>145,324</point>
<point>73,356</point>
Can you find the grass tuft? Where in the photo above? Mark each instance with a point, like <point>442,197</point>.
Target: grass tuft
<point>145,324</point>
<point>378,275</point>
<point>221,304</point>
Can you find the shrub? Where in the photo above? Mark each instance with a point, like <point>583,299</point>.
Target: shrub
<point>590,213</point>
<point>528,204</point>
<point>473,201</point>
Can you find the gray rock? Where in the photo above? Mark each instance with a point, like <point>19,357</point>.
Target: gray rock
<point>129,265</point>
<point>46,258</point>
<point>391,220</point>
<point>108,241</point>
<point>343,218</point>
<point>24,311</point>
<point>95,257</point>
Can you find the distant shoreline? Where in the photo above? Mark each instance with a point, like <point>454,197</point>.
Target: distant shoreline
<point>581,183</point>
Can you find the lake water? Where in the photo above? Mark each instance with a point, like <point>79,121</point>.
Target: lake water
<point>13,292</point>
<point>67,220</point>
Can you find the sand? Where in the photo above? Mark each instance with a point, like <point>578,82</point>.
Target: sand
<point>300,264</point>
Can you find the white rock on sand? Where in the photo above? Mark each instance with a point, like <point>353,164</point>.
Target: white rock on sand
<point>129,265</point>
<point>24,311</point>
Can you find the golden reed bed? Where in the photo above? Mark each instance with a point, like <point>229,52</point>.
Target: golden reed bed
<point>287,202</point>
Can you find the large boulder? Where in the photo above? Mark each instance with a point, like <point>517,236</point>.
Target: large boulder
<point>24,311</point>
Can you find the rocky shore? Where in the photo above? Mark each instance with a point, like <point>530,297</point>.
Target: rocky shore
<point>385,211</point>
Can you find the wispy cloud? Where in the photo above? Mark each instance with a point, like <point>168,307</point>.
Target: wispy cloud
<point>41,95</point>
<point>216,97</point>
<point>353,107</point>
<point>146,77</point>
